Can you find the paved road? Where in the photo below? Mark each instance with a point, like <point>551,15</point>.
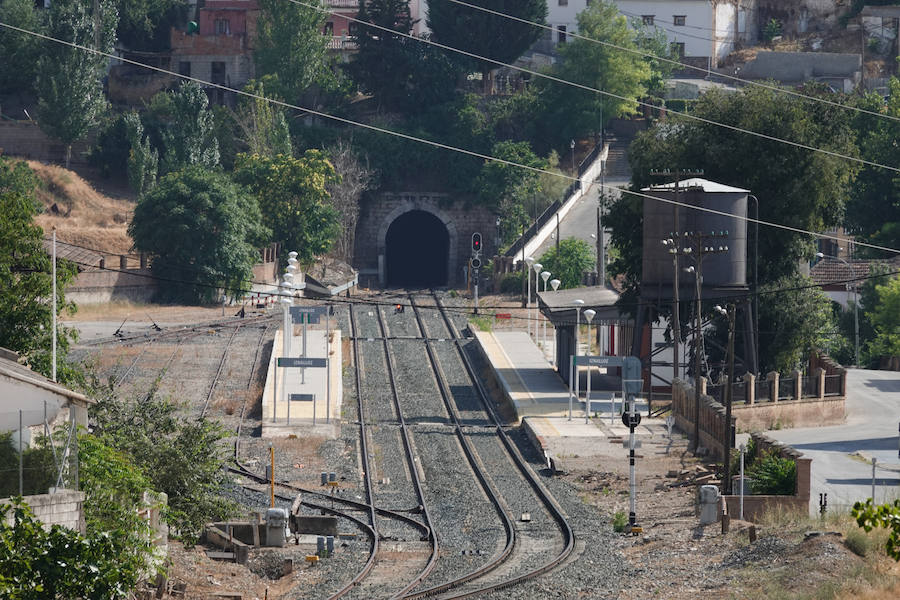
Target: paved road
<point>873,414</point>
<point>581,221</point>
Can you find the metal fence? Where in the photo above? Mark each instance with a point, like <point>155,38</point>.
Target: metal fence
<point>810,387</point>
<point>833,385</point>
<point>785,389</point>
<point>762,390</point>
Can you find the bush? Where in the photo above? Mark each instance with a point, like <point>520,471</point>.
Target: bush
<point>857,542</point>
<point>774,475</point>
<point>511,283</point>
<point>620,521</point>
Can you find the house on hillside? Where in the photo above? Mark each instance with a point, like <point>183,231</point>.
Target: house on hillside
<point>341,26</point>
<point>221,50</point>
<point>702,32</point>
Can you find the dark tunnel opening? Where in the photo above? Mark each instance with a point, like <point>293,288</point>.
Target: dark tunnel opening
<point>417,247</point>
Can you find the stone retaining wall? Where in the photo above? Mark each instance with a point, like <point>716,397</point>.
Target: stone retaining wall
<point>62,508</point>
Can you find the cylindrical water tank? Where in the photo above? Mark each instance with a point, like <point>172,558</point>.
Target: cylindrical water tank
<point>727,269</point>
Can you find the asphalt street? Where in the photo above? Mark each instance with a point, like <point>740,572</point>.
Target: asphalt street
<point>842,454</point>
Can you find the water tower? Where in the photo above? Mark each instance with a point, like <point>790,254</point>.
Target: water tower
<point>712,241</point>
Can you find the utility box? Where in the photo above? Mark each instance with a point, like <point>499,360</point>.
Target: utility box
<point>709,504</point>
<point>276,527</point>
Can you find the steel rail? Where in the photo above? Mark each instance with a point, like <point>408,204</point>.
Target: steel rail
<point>410,456</point>
<point>477,469</point>
<point>542,493</point>
<point>218,374</point>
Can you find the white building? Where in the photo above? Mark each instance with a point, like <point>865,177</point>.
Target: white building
<point>702,30</point>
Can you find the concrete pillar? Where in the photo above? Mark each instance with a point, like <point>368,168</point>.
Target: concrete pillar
<point>773,379</point>
<point>143,260</point>
<point>123,262</point>
<point>749,388</point>
<point>703,383</point>
<point>798,384</point>
<point>820,383</point>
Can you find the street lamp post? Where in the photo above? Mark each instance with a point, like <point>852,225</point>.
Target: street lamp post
<point>572,147</point>
<point>588,316</point>
<point>537,270</point>
<point>554,283</point>
<point>573,373</point>
<point>545,275</point>
<point>528,262</point>
<point>855,301</point>
<point>729,391</point>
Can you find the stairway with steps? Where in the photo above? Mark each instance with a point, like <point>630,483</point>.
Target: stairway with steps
<point>617,166</point>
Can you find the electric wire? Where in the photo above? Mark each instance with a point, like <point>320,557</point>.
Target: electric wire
<point>605,93</point>
<point>443,146</point>
<point>679,64</point>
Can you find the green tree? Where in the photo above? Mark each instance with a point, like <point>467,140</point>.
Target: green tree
<point>189,138</point>
<point>884,315</point>
<point>263,128</point>
<point>654,42</point>
<point>69,80</point>
<point>180,456</point>
<point>20,51</point>
<point>57,563</point>
<point>569,264</point>
<point>510,190</point>
<point>202,232</point>
<point>484,34</point>
<point>573,112</point>
<point>294,200</point>
<point>25,280</point>
<point>795,317</point>
<point>869,516</point>
<point>146,24</point>
<point>142,163</point>
<point>292,46</point>
<point>873,211</point>
<point>403,74</point>
<point>795,186</point>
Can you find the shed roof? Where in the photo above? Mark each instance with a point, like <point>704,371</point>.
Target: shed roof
<point>559,308</point>
<point>710,187</point>
<point>830,271</point>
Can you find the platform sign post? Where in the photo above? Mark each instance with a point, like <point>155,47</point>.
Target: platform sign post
<point>595,361</point>
<point>327,364</point>
<point>571,382</point>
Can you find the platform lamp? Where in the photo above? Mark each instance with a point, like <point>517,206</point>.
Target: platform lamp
<point>545,275</point>
<point>554,283</point>
<point>537,271</point>
<point>588,316</point>
<point>529,260</point>
<point>577,303</point>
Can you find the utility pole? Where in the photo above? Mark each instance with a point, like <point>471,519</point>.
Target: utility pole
<point>703,244</point>
<point>729,392</point>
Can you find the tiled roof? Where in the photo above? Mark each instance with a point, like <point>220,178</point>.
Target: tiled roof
<point>831,272</point>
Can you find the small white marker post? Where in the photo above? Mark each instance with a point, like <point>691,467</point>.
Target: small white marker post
<point>571,382</point>
<point>743,449</point>
<point>874,460</point>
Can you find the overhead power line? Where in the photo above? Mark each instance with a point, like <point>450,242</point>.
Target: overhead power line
<point>679,64</point>
<point>433,143</point>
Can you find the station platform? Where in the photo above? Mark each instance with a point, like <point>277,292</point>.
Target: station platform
<point>540,400</point>
<point>320,416</point>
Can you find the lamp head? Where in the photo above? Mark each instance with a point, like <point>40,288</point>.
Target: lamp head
<point>589,314</point>
<point>537,267</point>
<point>529,260</point>
<point>545,275</point>
<point>554,283</point>
<point>578,302</point>
<point>819,255</point>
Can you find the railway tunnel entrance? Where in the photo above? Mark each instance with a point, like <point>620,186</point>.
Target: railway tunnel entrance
<point>417,251</point>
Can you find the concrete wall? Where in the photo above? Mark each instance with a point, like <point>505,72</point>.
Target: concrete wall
<point>24,139</point>
<point>809,412</point>
<point>96,287</point>
<point>63,508</point>
<point>460,219</point>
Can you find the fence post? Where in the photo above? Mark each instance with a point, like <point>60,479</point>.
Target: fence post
<point>773,378</point>
<point>820,383</point>
<point>703,383</point>
<point>798,385</point>
<point>749,388</point>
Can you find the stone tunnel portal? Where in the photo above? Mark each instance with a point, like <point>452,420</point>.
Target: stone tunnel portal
<point>417,248</point>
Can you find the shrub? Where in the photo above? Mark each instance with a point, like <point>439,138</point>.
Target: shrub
<point>511,283</point>
<point>772,474</point>
<point>857,542</point>
<point>620,521</point>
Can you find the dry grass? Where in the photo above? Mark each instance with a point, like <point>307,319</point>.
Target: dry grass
<point>85,216</point>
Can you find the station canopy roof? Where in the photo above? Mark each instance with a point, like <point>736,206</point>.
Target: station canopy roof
<point>559,308</point>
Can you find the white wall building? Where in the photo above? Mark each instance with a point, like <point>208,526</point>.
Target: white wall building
<point>701,29</point>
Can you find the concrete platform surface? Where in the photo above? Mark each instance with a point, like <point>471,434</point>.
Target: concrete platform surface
<point>281,418</point>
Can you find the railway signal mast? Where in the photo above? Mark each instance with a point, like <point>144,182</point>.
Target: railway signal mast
<point>475,262</point>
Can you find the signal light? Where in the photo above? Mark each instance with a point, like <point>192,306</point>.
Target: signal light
<point>476,242</point>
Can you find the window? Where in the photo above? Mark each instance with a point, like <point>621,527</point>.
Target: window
<point>223,27</point>
<point>677,49</point>
<point>647,19</point>
<point>353,28</point>
<point>679,19</point>
<point>329,28</point>
<point>563,2</point>
<point>561,32</point>
<point>217,72</point>
<point>184,68</point>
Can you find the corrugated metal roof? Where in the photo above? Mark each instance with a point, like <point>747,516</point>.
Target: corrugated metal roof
<point>706,185</point>
<point>80,256</point>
